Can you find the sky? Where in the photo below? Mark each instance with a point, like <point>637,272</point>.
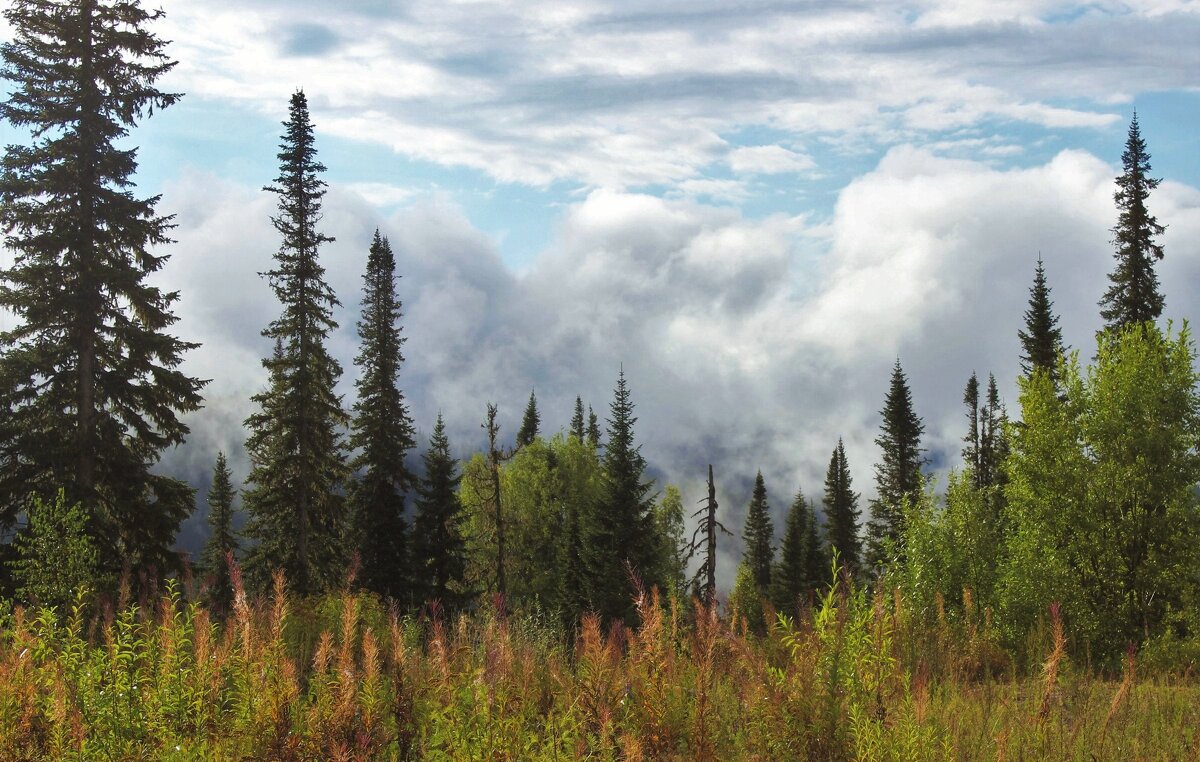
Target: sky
<point>753,208</point>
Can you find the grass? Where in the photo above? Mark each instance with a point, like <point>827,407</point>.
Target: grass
<point>341,678</point>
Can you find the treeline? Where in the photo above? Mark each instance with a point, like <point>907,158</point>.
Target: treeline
<point>1087,499</point>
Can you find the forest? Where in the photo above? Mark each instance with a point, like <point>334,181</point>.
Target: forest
<point>544,598</point>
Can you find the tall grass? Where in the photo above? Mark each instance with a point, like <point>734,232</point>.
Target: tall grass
<point>341,678</point>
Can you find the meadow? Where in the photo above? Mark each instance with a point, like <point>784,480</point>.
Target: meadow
<point>342,677</point>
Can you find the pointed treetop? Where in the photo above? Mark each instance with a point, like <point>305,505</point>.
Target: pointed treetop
<point>578,426</point>
<point>530,424</point>
<point>1041,338</point>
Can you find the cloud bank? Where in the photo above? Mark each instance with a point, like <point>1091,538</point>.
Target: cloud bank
<point>750,344</point>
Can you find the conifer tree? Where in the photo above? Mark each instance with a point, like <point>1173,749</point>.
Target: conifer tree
<point>222,542</point>
<point>577,425</point>
<point>841,511</point>
<point>618,534</point>
<point>530,423</point>
<point>298,460</point>
<point>495,498</point>
<point>898,474</point>
<point>89,379</point>
<point>704,541</point>
<point>440,549</point>
<point>993,439</point>
<point>593,428</point>
<point>1041,339</point>
<point>971,452</point>
<point>382,433</point>
<point>1133,296</point>
<point>802,566</point>
<point>758,535</point>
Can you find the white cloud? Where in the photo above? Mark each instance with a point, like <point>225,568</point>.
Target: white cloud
<point>768,160</point>
<point>602,94</point>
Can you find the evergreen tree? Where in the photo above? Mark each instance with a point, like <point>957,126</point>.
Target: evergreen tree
<point>841,511</point>
<point>298,461</point>
<point>593,428</point>
<point>577,426</point>
<point>802,566</point>
<point>618,534</point>
<point>1041,340</point>
<point>89,378</point>
<point>971,453</point>
<point>993,439</point>
<point>382,432</point>
<point>221,543</point>
<point>1133,296</point>
<point>530,423</point>
<point>440,549</point>
<point>898,474</point>
<point>758,534</point>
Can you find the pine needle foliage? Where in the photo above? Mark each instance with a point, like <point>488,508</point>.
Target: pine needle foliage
<point>298,460</point>
<point>89,377</point>
<point>381,433</point>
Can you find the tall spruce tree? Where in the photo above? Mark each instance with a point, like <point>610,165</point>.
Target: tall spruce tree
<point>618,535</point>
<point>971,452</point>
<point>298,459</point>
<point>802,566</point>
<point>578,429</point>
<point>530,424</point>
<point>841,511</point>
<point>440,548</point>
<point>758,534</point>
<point>1133,296</point>
<point>89,377</point>
<point>593,428</point>
<point>993,439</point>
<point>222,542</point>
<point>898,474</point>
<point>1041,339</point>
<point>382,433</point>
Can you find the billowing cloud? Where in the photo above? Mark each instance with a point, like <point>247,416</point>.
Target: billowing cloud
<point>747,343</point>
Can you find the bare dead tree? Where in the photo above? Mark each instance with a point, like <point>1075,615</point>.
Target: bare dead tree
<point>704,541</point>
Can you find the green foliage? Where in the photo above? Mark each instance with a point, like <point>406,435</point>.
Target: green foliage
<point>1134,298</point>
<point>1101,493</point>
<point>898,473</point>
<point>841,511</point>
<point>56,559</point>
<point>758,535</point>
<point>89,379</point>
<point>222,544</point>
<point>298,462</point>
<point>382,432</point>
<point>802,566</point>
<point>578,429</point>
<point>439,546</point>
<point>670,530</point>
<point>531,423</point>
<point>1041,340</point>
<point>617,529</point>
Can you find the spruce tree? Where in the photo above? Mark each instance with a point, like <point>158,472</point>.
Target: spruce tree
<point>222,542</point>
<point>1041,339</point>
<point>89,379</point>
<point>439,545</point>
<point>593,428</point>
<point>1133,297</point>
<point>530,423</point>
<point>971,453</point>
<point>298,460</point>
<point>382,433</point>
<point>577,425</point>
<point>993,439</point>
<point>801,566</point>
<point>618,535</point>
<point>758,535</point>
<point>898,474</point>
<point>841,511</point>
